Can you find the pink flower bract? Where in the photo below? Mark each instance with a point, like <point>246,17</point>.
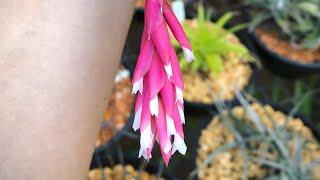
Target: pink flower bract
<point>158,81</point>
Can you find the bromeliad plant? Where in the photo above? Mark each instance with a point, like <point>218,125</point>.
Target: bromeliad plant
<point>299,20</point>
<point>158,81</point>
<point>211,43</point>
<point>222,60</point>
<point>255,141</point>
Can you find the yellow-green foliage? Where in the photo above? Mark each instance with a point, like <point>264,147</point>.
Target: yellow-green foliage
<point>210,45</point>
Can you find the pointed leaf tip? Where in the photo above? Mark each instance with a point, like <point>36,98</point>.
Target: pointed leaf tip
<point>188,54</point>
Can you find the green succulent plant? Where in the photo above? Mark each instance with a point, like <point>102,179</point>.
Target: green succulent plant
<point>299,20</point>
<point>210,44</point>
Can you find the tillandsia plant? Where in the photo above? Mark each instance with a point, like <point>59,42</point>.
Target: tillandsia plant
<point>299,20</point>
<point>211,42</point>
<point>257,142</point>
<point>158,81</point>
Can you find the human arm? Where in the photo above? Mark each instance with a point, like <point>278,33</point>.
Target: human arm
<point>57,64</point>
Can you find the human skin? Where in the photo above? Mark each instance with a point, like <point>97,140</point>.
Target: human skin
<point>57,65</point>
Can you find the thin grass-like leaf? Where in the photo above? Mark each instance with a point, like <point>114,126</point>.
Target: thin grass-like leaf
<point>245,161</point>
<point>220,150</point>
<point>298,151</point>
<point>223,20</point>
<point>160,170</point>
<point>300,101</point>
<point>312,164</point>
<point>273,164</point>
<point>237,28</point>
<point>253,115</point>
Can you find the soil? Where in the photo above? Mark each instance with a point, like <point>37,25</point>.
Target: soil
<point>119,108</point>
<point>283,47</point>
<point>229,163</point>
<point>119,172</point>
<point>220,87</point>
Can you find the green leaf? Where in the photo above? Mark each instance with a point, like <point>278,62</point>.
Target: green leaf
<point>257,20</point>
<point>214,62</point>
<point>183,65</point>
<point>237,28</point>
<point>201,15</point>
<point>210,45</point>
<point>195,65</point>
<point>312,41</point>
<point>223,20</point>
<point>310,7</point>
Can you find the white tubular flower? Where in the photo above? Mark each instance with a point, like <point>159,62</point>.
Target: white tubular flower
<point>168,69</point>
<point>179,145</point>
<point>154,106</point>
<point>188,54</point>
<point>138,86</point>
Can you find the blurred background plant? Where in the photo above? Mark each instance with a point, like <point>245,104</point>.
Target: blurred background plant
<point>299,20</point>
<point>255,141</point>
<point>288,93</point>
<point>211,43</point>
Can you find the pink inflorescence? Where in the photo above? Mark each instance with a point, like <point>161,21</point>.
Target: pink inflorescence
<point>158,81</point>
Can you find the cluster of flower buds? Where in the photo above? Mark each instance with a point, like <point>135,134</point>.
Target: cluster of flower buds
<point>157,78</point>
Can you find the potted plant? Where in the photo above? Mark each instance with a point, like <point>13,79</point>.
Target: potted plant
<point>222,61</point>
<point>255,141</point>
<point>288,35</point>
<point>119,109</point>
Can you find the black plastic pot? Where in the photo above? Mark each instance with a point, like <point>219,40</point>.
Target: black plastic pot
<point>281,65</point>
<point>132,46</point>
<point>117,137</point>
<point>205,121</point>
<point>102,160</point>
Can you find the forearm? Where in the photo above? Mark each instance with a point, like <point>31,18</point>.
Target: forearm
<point>57,61</point>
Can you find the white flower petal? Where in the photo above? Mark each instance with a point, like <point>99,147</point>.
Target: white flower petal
<point>146,137</point>
<point>154,106</point>
<point>170,125</point>
<point>179,145</point>
<point>181,113</point>
<point>142,152</point>
<point>168,147</point>
<point>179,94</point>
<point>188,54</point>
<point>168,69</point>
<point>137,86</point>
<point>137,119</point>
